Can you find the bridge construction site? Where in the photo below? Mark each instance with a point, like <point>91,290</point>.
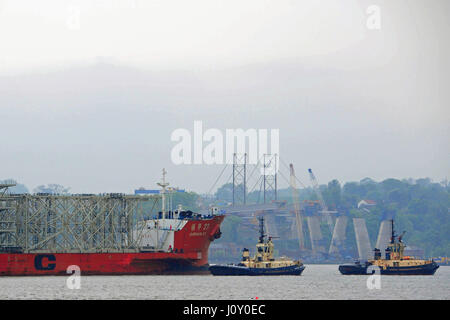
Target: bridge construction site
<point>321,234</point>
<point>105,223</point>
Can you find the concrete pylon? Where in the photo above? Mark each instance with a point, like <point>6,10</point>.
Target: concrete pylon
<point>384,236</point>
<point>337,241</point>
<point>315,234</point>
<point>362,239</point>
<point>293,233</point>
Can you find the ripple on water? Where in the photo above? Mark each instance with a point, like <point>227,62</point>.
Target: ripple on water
<point>317,282</point>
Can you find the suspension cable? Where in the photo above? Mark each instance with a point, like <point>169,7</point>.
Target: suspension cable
<point>217,180</point>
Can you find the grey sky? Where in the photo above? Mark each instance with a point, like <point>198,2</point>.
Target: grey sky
<point>93,108</point>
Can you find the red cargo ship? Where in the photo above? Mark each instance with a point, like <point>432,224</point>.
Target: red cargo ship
<point>188,255</point>
<point>174,242</point>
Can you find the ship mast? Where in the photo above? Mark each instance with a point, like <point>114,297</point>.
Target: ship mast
<point>392,231</point>
<point>261,229</point>
<point>163,185</point>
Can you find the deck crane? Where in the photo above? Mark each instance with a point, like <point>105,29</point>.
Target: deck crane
<point>324,209</point>
<point>295,199</point>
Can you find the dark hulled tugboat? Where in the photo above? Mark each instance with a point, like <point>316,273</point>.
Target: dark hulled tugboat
<point>262,264</point>
<point>395,263</point>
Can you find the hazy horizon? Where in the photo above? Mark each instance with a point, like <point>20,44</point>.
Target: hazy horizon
<point>92,106</point>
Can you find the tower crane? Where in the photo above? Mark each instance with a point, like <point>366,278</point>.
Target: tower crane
<point>295,199</point>
<point>324,209</point>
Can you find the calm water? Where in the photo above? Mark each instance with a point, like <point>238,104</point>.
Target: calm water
<point>317,282</point>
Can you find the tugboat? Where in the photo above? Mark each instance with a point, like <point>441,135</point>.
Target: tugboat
<point>395,263</point>
<point>442,261</point>
<point>262,264</point>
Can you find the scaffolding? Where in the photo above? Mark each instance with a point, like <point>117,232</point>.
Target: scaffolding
<point>7,220</point>
<point>73,223</point>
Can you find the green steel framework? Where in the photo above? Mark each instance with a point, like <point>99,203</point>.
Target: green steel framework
<point>73,223</point>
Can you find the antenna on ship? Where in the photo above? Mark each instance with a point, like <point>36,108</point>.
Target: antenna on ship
<point>392,231</point>
<point>163,185</point>
<point>261,229</point>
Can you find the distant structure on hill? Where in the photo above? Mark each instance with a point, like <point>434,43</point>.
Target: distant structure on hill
<point>364,204</point>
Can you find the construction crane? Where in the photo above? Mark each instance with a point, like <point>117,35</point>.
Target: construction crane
<point>295,199</point>
<point>324,209</point>
<point>401,236</point>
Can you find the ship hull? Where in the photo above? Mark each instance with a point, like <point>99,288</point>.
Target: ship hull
<point>101,264</point>
<point>188,256</point>
<point>358,269</point>
<point>233,270</point>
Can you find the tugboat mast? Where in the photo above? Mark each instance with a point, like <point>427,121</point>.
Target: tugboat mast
<point>261,229</point>
<point>392,231</point>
